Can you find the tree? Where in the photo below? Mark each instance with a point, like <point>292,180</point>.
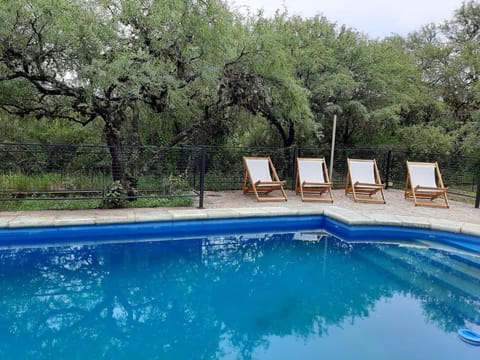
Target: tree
<point>174,71</point>
<point>448,56</point>
<point>461,74</point>
<point>82,60</point>
<point>261,79</point>
<point>367,83</point>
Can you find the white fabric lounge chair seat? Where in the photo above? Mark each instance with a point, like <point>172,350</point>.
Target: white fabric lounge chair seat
<point>424,181</point>
<point>363,181</point>
<point>312,179</point>
<point>261,177</point>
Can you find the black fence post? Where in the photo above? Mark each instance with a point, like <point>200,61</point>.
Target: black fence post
<point>294,166</point>
<point>477,199</point>
<point>203,161</point>
<point>388,168</point>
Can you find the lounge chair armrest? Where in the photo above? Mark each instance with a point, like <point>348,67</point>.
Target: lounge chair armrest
<point>419,187</point>
<point>369,184</point>
<point>317,183</point>
<point>280,182</point>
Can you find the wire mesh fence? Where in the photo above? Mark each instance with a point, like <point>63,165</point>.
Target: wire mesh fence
<point>33,171</point>
<point>224,170</point>
<point>39,171</point>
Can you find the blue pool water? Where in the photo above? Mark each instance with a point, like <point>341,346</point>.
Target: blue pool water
<point>286,295</point>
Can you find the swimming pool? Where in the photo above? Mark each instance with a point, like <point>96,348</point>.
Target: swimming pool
<point>294,293</point>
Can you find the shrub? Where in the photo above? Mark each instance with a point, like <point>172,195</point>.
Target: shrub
<point>114,196</point>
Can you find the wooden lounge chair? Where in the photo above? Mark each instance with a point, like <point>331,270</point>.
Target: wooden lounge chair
<point>261,178</point>
<point>312,179</point>
<point>363,181</point>
<point>424,181</point>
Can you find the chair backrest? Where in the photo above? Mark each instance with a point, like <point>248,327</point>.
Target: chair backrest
<point>311,170</point>
<point>362,171</point>
<point>422,174</point>
<point>259,169</point>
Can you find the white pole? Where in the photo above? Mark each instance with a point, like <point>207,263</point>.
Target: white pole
<point>333,146</point>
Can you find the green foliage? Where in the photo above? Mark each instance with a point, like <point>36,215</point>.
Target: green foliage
<point>447,56</point>
<point>174,185</point>
<point>218,180</point>
<point>17,181</point>
<point>33,205</point>
<point>164,72</point>
<point>47,131</point>
<point>22,182</point>
<point>426,139</point>
<point>114,196</point>
<point>468,138</point>
<point>161,202</point>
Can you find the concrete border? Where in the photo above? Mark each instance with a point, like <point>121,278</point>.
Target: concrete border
<point>346,216</point>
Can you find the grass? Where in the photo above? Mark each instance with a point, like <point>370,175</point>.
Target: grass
<point>31,205</point>
<point>16,181</point>
<point>19,182</point>
<point>161,202</point>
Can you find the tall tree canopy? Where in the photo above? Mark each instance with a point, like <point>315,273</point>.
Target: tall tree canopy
<point>448,55</point>
<point>82,60</point>
<point>169,71</point>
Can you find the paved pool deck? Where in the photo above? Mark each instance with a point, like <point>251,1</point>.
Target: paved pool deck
<point>459,218</point>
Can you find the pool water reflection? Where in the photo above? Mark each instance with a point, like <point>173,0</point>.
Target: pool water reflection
<point>264,296</point>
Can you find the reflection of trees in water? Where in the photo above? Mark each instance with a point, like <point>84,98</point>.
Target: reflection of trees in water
<point>178,301</point>
<point>288,291</point>
<point>103,298</point>
<point>447,285</point>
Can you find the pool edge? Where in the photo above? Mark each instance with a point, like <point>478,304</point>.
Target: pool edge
<point>347,216</point>
<point>343,223</point>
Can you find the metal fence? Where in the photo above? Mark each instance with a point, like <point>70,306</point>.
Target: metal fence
<point>224,168</point>
<point>77,172</point>
<point>39,171</point>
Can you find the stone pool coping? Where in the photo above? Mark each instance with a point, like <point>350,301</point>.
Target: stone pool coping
<point>347,216</point>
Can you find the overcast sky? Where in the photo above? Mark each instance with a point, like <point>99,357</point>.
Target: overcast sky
<point>377,18</point>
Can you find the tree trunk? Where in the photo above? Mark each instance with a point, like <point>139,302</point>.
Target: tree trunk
<point>287,138</point>
<point>114,142</point>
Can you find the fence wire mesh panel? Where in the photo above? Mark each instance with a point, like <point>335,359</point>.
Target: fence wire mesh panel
<point>339,170</point>
<point>33,171</point>
<point>225,169</point>
<point>459,173</point>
